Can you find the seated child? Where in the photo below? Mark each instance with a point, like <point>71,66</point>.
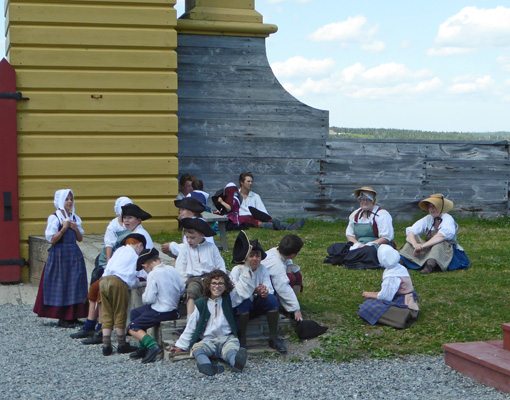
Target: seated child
<point>211,330</point>
<point>119,276</point>
<point>197,258</point>
<point>261,298</point>
<point>161,298</point>
<point>188,208</point>
<point>285,276</point>
<point>396,305</point>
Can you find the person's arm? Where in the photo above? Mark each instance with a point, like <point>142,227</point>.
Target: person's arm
<point>219,262</point>
<point>184,341</point>
<point>150,294</point>
<point>75,225</point>
<point>109,252</point>
<point>389,288</point>
<point>349,231</point>
<point>224,204</point>
<point>244,284</point>
<point>369,295</point>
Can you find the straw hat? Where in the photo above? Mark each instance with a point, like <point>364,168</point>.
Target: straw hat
<point>365,189</point>
<point>442,204</point>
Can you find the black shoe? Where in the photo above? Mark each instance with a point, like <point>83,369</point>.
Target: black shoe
<point>152,354</point>
<point>97,338</point>
<point>210,369</point>
<point>278,345</point>
<point>126,348</point>
<point>297,225</point>
<point>62,323</point>
<point>107,350</point>
<point>81,334</point>
<point>241,357</point>
<point>140,353</point>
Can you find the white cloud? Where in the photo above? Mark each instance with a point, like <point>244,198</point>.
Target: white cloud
<point>448,51</point>
<point>476,27</point>
<point>299,66</point>
<point>406,44</point>
<point>471,84</point>
<point>353,30</point>
<point>504,61</point>
<point>356,81</point>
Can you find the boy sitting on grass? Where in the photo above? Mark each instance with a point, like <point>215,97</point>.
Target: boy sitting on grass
<point>119,276</point>
<point>197,258</point>
<point>211,328</point>
<point>161,298</point>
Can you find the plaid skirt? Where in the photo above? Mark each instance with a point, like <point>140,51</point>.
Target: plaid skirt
<point>372,309</point>
<point>64,280</point>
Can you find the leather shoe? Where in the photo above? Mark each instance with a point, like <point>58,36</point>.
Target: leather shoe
<point>240,361</point>
<point>297,225</point>
<point>153,353</point>
<point>126,348</point>
<point>277,344</point>
<point>210,369</point>
<point>107,350</point>
<point>140,353</point>
<point>81,334</point>
<point>97,338</point>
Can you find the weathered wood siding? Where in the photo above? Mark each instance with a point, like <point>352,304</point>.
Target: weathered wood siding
<point>474,175</point>
<point>235,116</point>
<point>101,118</point>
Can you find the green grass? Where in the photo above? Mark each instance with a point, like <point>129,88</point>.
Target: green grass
<point>457,306</point>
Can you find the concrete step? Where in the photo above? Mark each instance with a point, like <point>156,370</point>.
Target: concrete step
<point>486,362</point>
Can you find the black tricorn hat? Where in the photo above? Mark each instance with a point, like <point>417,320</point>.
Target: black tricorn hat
<point>255,245</point>
<point>308,329</point>
<point>189,203</point>
<point>260,215</point>
<point>241,248</point>
<point>136,236</point>
<point>144,256</point>
<point>214,198</point>
<point>199,225</point>
<point>135,211</point>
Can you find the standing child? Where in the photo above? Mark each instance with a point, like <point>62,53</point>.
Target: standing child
<point>211,329</point>
<point>197,258</point>
<point>63,289</point>
<point>161,297</point>
<point>119,276</point>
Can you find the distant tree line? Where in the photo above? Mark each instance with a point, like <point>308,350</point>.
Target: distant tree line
<point>405,134</point>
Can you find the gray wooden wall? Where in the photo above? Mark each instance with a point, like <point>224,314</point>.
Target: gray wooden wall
<point>235,116</point>
<point>474,175</point>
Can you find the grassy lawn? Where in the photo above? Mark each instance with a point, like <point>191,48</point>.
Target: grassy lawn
<point>458,306</point>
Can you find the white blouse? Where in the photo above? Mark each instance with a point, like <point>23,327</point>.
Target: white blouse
<point>447,227</point>
<point>53,225</point>
<point>384,223</point>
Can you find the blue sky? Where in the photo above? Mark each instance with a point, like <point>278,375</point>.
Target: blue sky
<point>407,64</point>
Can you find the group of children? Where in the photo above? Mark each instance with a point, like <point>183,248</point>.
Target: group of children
<point>218,306</point>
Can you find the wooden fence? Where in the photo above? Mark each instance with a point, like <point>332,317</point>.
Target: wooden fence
<point>474,175</point>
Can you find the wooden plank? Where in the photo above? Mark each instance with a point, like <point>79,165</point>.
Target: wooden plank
<point>97,14</point>
<point>105,187</point>
<point>141,3</point>
<point>250,44</point>
<point>153,225</point>
<point>228,169</point>
<point>111,123</point>
<point>97,80</point>
<point>468,169</point>
<point>56,36</point>
<point>97,166</point>
<point>97,207</point>
<point>93,58</point>
<point>98,101</point>
<point>96,144</point>
<point>247,146</point>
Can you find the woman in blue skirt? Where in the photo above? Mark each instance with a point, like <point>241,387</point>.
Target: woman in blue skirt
<point>63,288</point>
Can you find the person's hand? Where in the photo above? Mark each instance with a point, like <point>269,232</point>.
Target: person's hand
<point>263,292</point>
<point>73,226</point>
<point>65,225</point>
<point>369,295</point>
<point>165,248</point>
<point>418,249</point>
<point>175,350</point>
<point>298,316</point>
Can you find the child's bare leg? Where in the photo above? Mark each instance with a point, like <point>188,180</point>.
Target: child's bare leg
<point>297,289</point>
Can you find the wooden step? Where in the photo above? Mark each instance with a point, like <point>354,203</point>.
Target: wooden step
<point>506,336</point>
<point>486,362</point>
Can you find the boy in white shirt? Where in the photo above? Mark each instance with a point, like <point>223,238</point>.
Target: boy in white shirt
<point>197,258</point>
<point>119,276</point>
<point>278,262</point>
<point>261,300</point>
<point>161,297</point>
<point>211,328</point>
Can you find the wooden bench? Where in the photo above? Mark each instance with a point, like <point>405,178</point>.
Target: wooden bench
<point>211,218</point>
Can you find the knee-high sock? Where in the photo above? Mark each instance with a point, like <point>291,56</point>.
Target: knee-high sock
<point>272,321</point>
<point>244,319</point>
<point>201,357</point>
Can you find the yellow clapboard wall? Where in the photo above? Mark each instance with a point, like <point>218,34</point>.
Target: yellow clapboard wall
<point>101,119</point>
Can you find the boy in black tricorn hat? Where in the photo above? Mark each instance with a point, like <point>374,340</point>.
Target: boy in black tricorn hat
<point>188,208</point>
<point>261,299</point>
<point>197,258</point>
<point>119,276</point>
<point>132,217</point>
<point>161,297</point>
